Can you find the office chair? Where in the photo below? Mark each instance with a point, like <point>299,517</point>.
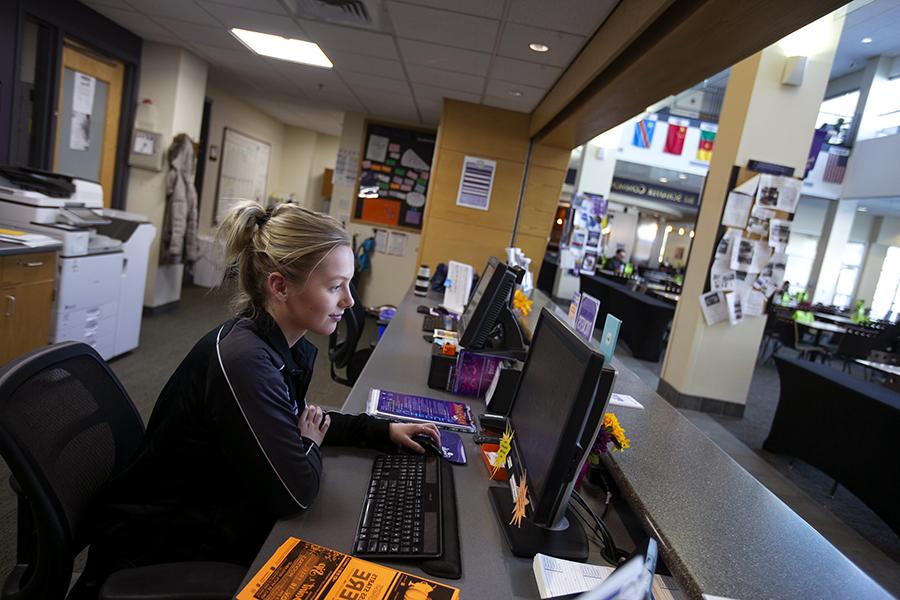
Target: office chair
<point>342,343</point>
<point>66,426</point>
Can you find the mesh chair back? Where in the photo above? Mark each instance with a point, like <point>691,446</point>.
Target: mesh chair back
<point>66,426</point>
<point>343,340</point>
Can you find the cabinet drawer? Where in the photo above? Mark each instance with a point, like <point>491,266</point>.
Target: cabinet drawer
<point>27,268</point>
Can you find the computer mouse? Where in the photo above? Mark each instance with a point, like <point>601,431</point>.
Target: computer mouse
<point>425,440</point>
<point>423,309</point>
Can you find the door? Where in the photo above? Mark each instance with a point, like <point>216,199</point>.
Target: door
<point>90,103</point>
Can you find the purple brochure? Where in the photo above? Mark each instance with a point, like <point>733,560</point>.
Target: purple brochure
<point>586,316</point>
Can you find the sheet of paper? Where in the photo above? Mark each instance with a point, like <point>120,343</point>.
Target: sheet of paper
<point>573,307</point>
<point>749,186</point>
<point>761,256</point>
<point>411,160</point>
<point>759,220</point>
<point>754,303</point>
<point>769,190</point>
<point>772,274</point>
<point>737,210</point>
<point>779,233</point>
<point>381,240</point>
<point>721,276</point>
<point>83,93</point>
<point>458,286</point>
<point>714,307</point>
<point>476,183</point>
<point>789,194</point>
<point>396,243</point>
<point>742,254</point>
<point>556,577</point>
<point>80,131</point>
<point>376,149</point>
<point>735,312</point>
<point>723,250</point>
<point>624,400</point>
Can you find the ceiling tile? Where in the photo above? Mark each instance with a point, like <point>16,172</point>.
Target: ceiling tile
<point>500,89</point>
<point>216,36</point>
<point>254,20</point>
<point>430,94</point>
<point>348,62</point>
<point>563,46</point>
<point>581,17</point>
<point>444,57</point>
<point>445,79</point>
<point>492,9</point>
<point>443,27</point>
<point>269,6</point>
<point>226,57</point>
<point>362,80</point>
<point>334,38</point>
<point>306,74</point>
<point>528,73</point>
<point>183,10</point>
<point>133,21</point>
<point>509,103</point>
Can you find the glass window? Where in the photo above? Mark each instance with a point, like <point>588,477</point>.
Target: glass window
<point>838,111</point>
<point>801,252</point>
<point>889,119</point>
<point>886,302</point>
<point>851,261</point>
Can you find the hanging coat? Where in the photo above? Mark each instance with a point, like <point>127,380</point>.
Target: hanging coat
<point>180,227</point>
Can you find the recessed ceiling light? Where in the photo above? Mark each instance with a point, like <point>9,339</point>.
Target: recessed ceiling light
<point>862,209</point>
<point>282,48</point>
<point>515,93</point>
<point>681,231</point>
<point>664,180</point>
<point>866,40</point>
<point>692,233</point>
<point>682,176</point>
<point>539,47</point>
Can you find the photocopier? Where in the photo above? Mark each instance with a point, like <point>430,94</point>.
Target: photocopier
<point>102,266</point>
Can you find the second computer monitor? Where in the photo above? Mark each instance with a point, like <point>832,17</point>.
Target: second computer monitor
<point>562,394</point>
<point>491,295</point>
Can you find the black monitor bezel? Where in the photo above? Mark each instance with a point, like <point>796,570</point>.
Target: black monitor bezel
<point>474,331</point>
<point>582,425</point>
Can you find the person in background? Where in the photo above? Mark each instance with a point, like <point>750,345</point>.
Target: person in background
<point>232,444</point>
<point>617,262</point>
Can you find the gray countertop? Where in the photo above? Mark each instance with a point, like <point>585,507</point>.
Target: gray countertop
<point>7,248</point>
<point>720,531</point>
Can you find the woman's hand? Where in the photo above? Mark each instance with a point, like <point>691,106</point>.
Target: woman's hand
<point>401,433</point>
<point>313,423</point>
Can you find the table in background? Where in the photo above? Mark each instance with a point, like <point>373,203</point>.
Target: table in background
<point>845,427</point>
<point>645,320</point>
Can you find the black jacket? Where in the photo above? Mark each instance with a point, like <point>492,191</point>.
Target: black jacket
<point>222,458</point>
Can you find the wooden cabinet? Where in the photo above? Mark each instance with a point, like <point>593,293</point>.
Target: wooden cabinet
<point>26,300</point>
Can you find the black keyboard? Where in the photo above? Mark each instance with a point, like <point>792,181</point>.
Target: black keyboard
<point>401,516</point>
<point>432,322</point>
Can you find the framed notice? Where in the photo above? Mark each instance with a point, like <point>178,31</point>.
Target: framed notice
<point>476,183</point>
<point>395,169</point>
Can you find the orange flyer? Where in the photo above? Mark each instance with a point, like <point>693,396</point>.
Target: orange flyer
<point>300,570</point>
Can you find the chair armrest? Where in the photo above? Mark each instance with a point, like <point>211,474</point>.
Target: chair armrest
<point>175,581</point>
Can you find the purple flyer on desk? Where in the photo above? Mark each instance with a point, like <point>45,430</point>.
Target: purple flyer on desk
<point>473,373</point>
<point>452,445</point>
<point>407,407</point>
<point>586,317</point>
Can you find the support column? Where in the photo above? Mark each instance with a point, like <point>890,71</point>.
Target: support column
<point>834,240</point>
<point>710,367</point>
<point>656,249</point>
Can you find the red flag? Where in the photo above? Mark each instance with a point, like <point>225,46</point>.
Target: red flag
<point>675,135</point>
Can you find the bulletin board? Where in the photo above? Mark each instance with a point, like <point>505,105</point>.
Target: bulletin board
<point>395,170</point>
<point>243,171</point>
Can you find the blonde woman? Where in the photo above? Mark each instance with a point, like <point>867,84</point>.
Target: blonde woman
<point>231,445</point>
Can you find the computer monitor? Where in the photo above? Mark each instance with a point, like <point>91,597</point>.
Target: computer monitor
<point>562,394</point>
<point>488,306</point>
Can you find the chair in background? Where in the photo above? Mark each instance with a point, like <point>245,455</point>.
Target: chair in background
<point>806,350</point>
<point>66,426</point>
<point>342,343</point>
<point>855,343</point>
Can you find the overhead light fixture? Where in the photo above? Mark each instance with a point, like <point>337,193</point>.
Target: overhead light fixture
<point>681,231</point>
<point>669,228</point>
<point>862,209</point>
<point>559,221</point>
<point>691,234</point>
<point>282,48</point>
<point>515,93</point>
<point>682,176</point>
<point>664,180</point>
<point>539,47</point>
<point>866,40</point>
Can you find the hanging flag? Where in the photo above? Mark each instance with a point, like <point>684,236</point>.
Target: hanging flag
<point>836,165</point>
<point>707,139</point>
<point>643,132</point>
<point>675,136</point>
<point>816,147</point>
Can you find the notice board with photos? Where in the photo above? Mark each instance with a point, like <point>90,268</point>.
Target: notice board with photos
<point>395,169</point>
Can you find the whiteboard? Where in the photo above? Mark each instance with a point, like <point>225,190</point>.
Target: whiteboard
<point>243,170</point>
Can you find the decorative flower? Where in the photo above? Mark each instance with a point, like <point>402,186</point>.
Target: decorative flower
<point>611,433</point>
<point>522,303</point>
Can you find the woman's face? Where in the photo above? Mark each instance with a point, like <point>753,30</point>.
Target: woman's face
<point>318,304</point>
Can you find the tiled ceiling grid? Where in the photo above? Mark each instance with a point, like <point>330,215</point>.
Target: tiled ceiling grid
<point>424,51</point>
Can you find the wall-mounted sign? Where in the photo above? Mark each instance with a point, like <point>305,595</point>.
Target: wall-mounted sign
<point>652,191</point>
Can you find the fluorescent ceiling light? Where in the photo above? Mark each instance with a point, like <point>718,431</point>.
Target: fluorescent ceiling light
<point>539,47</point>
<point>282,48</point>
<point>866,40</point>
<point>515,93</point>
<point>664,180</point>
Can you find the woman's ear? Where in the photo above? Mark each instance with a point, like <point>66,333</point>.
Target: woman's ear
<point>277,286</point>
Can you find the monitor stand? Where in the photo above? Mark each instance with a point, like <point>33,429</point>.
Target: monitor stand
<point>569,543</point>
<point>512,343</point>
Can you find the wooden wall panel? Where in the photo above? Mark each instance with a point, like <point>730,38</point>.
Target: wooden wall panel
<point>485,131</point>
<point>541,199</point>
<point>472,244</point>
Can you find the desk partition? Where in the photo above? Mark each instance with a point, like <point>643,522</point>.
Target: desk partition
<point>719,530</point>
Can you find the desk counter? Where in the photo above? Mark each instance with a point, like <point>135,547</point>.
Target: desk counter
<point>720,531</point>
